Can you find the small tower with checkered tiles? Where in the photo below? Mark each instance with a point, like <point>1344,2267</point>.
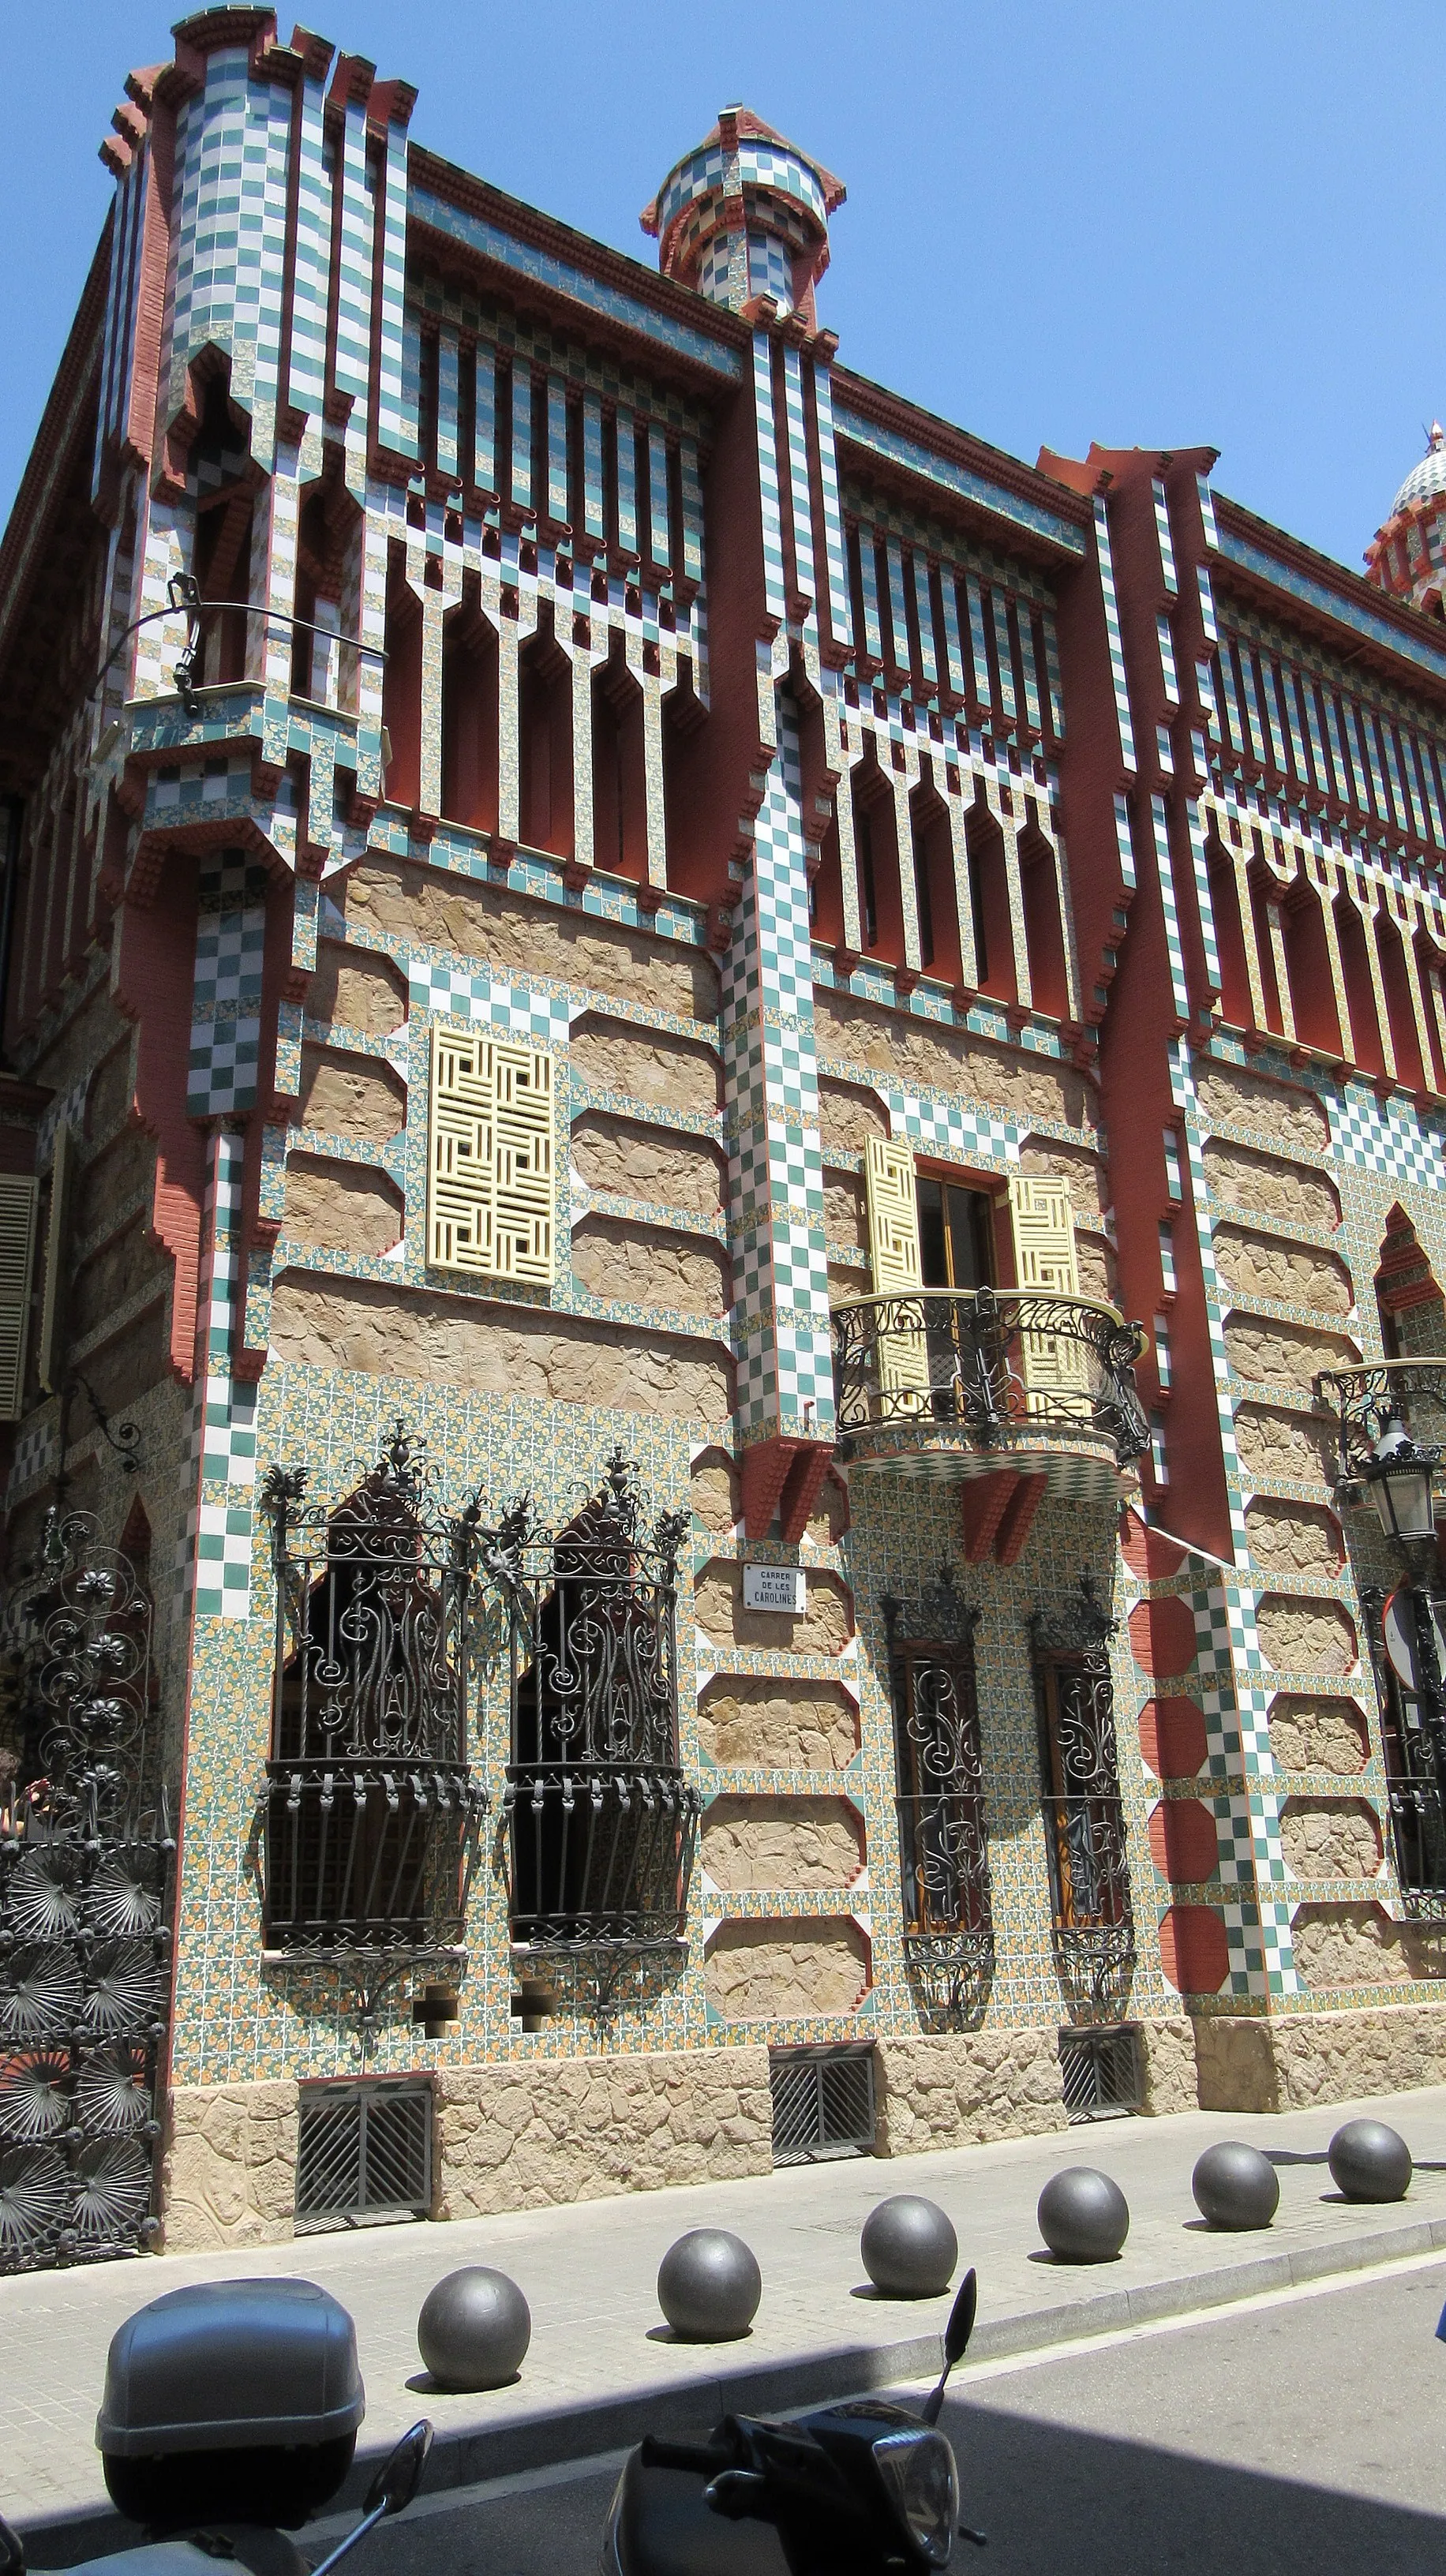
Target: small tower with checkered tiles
<point>745,216</point>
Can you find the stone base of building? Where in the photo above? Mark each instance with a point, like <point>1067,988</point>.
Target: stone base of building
<point>528,2134</point>
<point>1288,2063</point>
<point>961,2089</point>
<point>229,2176</point>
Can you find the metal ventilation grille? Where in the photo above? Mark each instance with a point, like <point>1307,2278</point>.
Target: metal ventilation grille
<point>1103,2074</point>
<point>364,2155</point>
<point>823,2103</point>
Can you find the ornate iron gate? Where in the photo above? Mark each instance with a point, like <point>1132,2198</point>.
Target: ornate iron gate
<point>86,1855</point>
<point>1084,1814</point>
<point>600,1820</point>
<point>371,1808</point>
<point>943,1841</point>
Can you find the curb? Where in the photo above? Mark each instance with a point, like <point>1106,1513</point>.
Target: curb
<point>469,2455</point>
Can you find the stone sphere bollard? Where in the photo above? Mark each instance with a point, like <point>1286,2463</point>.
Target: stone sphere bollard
<point>1368,2161</point>
<point>474,2329</point>
<point>1235,2186</point>
<point>1083,2216</point>
<point>709,2286</point>
<point>909,2247</point>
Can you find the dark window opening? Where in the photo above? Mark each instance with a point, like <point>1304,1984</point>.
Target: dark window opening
<point>956,1235</point>
<point>1102,2073</point>
<point>371,1810</point>
<point>601,1822</point>
<point>939,1798</point>
<point>1418,1828</point>
<point>865,838</point>
<point>1084,1817</point>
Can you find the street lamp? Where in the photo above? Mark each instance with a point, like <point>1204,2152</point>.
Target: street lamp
<point>1399,1476</point>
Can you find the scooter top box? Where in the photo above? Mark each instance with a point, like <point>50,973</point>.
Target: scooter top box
<point>231,2365</point>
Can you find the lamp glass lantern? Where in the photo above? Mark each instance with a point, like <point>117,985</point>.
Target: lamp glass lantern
<point>1400,1480</point>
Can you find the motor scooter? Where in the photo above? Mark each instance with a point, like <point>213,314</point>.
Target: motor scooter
<point>860,2488</point>
<point>229,2417</point>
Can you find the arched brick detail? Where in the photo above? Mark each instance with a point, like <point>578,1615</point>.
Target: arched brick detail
<point>1172,1738</point>
<point>1162,1635</point>
<point>1183,1840</point>
<point>1194,1951</point>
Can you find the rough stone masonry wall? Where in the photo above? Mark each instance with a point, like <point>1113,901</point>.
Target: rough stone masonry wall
<point>1305,2058</point>
<point>229,2176</point>
<point>524,2136</point>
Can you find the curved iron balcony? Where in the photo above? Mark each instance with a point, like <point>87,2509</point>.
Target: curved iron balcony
<point>368,1854</point>
<point>953,1383</point>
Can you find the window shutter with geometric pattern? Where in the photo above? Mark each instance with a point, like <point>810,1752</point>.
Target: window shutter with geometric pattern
<point>1054,1366</point>
<point>490,1161</point>
<point>894,1258</point>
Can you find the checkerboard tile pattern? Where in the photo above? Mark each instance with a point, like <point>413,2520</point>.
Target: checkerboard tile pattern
<point>226,994</point>
<point>447,992</point>
<point>1392,1140</point>
<point>215,1567</point>
<point>780,1255</point>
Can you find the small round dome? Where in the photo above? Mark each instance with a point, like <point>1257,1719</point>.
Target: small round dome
<point>1429,477</point>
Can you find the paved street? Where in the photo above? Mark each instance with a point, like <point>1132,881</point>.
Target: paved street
<point>1306,2433</point>
<point>602,2366</point>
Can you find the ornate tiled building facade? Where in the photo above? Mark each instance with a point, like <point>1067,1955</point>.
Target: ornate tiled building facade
<point>584,881</point>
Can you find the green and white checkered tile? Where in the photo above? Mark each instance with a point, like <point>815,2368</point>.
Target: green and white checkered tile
<point>1391,1140</point>
<point>520,1010</point>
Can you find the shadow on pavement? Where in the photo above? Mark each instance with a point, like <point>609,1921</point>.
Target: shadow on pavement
<point>1052,2498</point>
<point>1054,2501</point>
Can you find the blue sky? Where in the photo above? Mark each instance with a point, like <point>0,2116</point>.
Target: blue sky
<point>1133,221</point>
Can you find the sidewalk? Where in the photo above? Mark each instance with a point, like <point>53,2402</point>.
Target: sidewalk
<point>602,2367</point>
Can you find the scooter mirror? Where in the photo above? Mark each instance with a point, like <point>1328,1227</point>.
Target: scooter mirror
<point>398,2478</point>
<point>12,2551</point>
<point>961,2318</point>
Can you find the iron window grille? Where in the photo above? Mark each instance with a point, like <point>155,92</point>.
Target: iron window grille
<point>363,2154</point>
<point>86,1858</point>
<point>943,1840</point>
<point>1101,2073</point>
<point>1092,1914</point>
<point>600,1823</point>
<point>371,1810</point>
<point>823,2103</point>
<point>1413,1793</point>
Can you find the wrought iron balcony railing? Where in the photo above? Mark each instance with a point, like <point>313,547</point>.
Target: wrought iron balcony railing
<point>600,1823</point>
<point>953,1381</point>
<point>1364,1400</point>
<point>371,1811</point>
<point>362,1856</point>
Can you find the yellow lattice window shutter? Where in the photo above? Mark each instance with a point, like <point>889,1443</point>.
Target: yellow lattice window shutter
<point>18,1194</point>
<point>894,1258</point>
<point>1055,1366</point>
<point>490,1162</point>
